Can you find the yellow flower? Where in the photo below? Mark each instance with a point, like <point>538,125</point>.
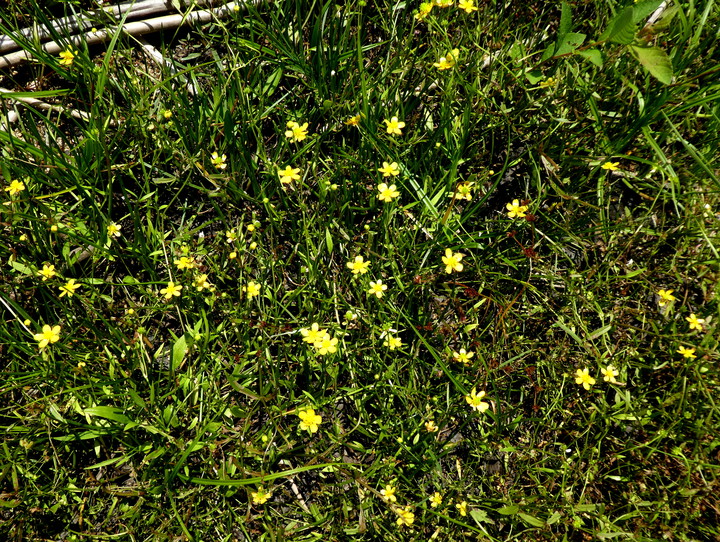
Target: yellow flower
<point>218,161</point>
<point>467,5</point>
<point>611,166</point>
<point>387,193</point>
<point>185,262</point>
<point>389,169</point>
<point>113,229</point>
<point>695,322</point>
<point>549,82</point>
<point>424,10</point>
<point>515,209</point>
<point>49,335</point>
<point>688,353</point>
<point>167,114</point>
<point>443,3</point>
<point>67,56</point>
<point>289,174</point>
<point>475,401</point>
<point>201,283</point>
<point>392,342</point>
<point>388,494</point>
<point>326,345</point>
<point>452,261</point>
<point>463,356</point>
<point>68,289</point>
<point>47,272</point>
<point>394,126</point>
<point>353,121</point>
<point>296,132</point>
<point>171,290</point>
<point>314,335</point>
<point>405,516</point>
<point>252,289</point>
<point>377,288</point>
<point>448,61</point>
<point>463,191</point>
<point>231,236</point>
<point>260,496</point>
<point>358,266</point>
<point>15,187</point>
<point>582,377</point>
<point>462,508</point>
<point>436,500</point>
<point>609,374</point>
<point>431,427</point>
<point>665,297</point>
<point>309,421</point>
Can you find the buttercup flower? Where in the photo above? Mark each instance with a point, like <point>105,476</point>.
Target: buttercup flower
<point>448,61</point>
<point>49,335</point>
<point>314,335</point>
<point>47,272</point>
<point>389,169</point>
<point>463,356</point>
<point>462,508</point>
<point>387,193</point>
<point>326,345</point>
<point>289,174</point>
<point>260,496</point>
<point>436,500</point>
<point>296,132</point>
<point>611,166</point>
<point>515,209</point>
<point>201,283</point>
<point>353,121</point>
<point>113,229</point>
<point>475,401</point>
<point>582,377</point>
<point>15,187</point>
<point>358,266</point>
<point>665,297</point>
<point>609,374</point>
<point>394,126</point>
<point>68,289</point>
<point>688,353</point>
<point>392,342</point>
<point>405,516</point>
<point>171,290</point>
<point>443,3</point>
<point>309,421</point>
<point>218,161</point>
<point>695,322</point>
<point>66,57</point>
<point>377,288</point>
<point>231,236</point>
<point>388,494</point>
<point>431,426</point>
<point>467,5</point>
<point>424,10</point>
<point>452,261</point>
<point>463,191</point>
<point>185,262</point>
<point>167,114</point>
<point>252,289</point>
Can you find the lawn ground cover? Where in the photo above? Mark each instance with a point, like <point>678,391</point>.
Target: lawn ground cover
<point>363,271</point>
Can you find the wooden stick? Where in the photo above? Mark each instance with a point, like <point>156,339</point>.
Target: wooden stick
<point>71,25</point>
<point>137,28</point>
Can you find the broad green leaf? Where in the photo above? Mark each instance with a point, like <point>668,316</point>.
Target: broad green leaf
<point>656,61</point>
<point>534,77</point>
<point>565,20</point>
<point>109,413</point>
<point>569,42</point>
<point>509,510</point>
<point>593,55</point>
<point>178,352</point>
<point>644,9</point>
<point>531,520</point>
<point>480,516</point>
<point>622,28</point>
